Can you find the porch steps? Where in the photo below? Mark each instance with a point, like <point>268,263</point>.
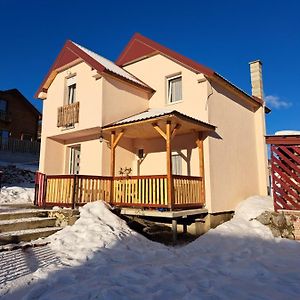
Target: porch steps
<point>25,225</point>
<point>15,237</point>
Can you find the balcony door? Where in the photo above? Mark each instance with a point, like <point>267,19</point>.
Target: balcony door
<point>74,163</point>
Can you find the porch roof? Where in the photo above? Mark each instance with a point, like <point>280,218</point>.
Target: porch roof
<point>141,125</point>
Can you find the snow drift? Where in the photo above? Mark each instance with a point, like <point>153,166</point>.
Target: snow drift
<point>104,259</point>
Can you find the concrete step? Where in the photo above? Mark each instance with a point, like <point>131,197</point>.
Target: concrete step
<point>21,214</point>
<point>14,237</point>
<point>26,223</point>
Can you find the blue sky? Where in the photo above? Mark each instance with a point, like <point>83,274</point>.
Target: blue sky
<point>223,35</point>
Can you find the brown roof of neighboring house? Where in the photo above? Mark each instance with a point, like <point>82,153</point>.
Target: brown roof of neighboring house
<point>17,93</point>
<point>140,47</point>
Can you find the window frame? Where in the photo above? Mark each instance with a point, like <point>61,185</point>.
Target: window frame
<point>70,81</point>
<point>169,79</point>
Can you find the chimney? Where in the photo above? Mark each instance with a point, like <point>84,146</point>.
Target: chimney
<point>256,78</point>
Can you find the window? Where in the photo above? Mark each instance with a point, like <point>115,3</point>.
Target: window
<point>71,90</point>
<point>176,164</point>
<point>174,89</point>
<point>4,134</point>
<point>3,105</point>
<point>74,162</point>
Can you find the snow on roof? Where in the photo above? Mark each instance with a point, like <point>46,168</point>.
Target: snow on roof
<point>288,132</point>
<point>109,65</point>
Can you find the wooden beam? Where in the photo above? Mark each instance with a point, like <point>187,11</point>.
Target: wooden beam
<point>175,130</point>
<point>169,166</point>
<point>199,143</point>
<point>159,130</point>
<point>117,140</point>
<point>112,153</point>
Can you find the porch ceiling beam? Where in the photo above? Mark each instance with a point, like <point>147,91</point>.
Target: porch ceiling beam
<point>177,126</point>
<point>159,130</point>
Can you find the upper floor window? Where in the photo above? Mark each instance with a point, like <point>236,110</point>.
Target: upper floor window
<point>3,105</point>
<point>71,90</point>
<point>174,85</point>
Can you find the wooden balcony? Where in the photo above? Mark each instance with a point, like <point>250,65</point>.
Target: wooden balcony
<point>68,115</point>
<point>133,191</point>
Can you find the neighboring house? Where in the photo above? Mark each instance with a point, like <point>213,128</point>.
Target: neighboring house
<point>187,137</point>
<point>18,117</point>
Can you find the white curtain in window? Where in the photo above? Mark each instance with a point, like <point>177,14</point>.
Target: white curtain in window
<point>175,89</point>
<point>176,164</point>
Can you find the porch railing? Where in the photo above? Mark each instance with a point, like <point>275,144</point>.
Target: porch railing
<point>133,191</point>
<point>68,115</point>
<point>147,191</point>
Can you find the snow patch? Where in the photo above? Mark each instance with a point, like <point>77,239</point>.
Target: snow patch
<point>287,132</point>
<point>16,195</point>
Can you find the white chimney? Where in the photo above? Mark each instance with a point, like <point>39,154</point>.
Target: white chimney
<point>256,78</point>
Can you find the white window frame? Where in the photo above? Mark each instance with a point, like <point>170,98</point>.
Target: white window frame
<point>169,80</point>
<point>71,90</point>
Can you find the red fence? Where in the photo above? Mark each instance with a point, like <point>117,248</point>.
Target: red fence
<point>285,162</point>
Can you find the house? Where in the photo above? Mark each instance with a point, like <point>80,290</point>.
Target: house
<point>19,122</point>
<point>154,130</point>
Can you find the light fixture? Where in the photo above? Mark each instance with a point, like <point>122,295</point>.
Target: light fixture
<point>101,138</point>
<point>140,153</point>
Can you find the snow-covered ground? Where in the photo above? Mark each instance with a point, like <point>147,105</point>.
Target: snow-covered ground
<point>16,195</point>
<point>100,257</point>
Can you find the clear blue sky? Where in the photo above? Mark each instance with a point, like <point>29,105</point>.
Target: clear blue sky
<point>223,35</point>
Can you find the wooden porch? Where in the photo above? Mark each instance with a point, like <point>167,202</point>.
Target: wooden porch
<point>169,191</point>
<point>133,191</point>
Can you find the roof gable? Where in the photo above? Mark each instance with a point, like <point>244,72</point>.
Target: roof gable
<point>140,47</point>
<point>72,52</point>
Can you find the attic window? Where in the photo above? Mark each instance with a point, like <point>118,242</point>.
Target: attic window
<point>71,90</point>
<point>174,85</point>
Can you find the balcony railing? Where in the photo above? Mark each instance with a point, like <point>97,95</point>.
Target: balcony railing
<point>5,116</point>
<point>68,115</point>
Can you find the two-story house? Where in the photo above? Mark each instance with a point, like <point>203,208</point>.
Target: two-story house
<point>161,130</point>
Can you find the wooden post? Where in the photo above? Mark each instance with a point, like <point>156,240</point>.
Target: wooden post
<point>169,166</point>
<point>199,142</point>
<point>75,190</point>
<point>112,154</point>
<point>113,144</point>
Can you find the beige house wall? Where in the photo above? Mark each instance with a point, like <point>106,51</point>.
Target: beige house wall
<point>155,71</point>
<point>121,100</point>
<point>233,162</point>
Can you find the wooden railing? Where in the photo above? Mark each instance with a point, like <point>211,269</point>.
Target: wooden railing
<point>68,115</point>
<point>72,190</point>
<point>22,146</point>
<point>146,191</point>
<point>133,191</point>
<point>187,191</point>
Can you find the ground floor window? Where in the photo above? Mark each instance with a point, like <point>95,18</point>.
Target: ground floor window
<point>74,161</point>
<point>176,164</point>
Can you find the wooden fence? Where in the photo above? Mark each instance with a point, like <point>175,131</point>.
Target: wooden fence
<point>133,191</point>
<point>68,115</point>
<point>285,162</point>
<point>22,146</point>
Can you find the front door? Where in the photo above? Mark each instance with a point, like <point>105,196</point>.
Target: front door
<point>74,159</point>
